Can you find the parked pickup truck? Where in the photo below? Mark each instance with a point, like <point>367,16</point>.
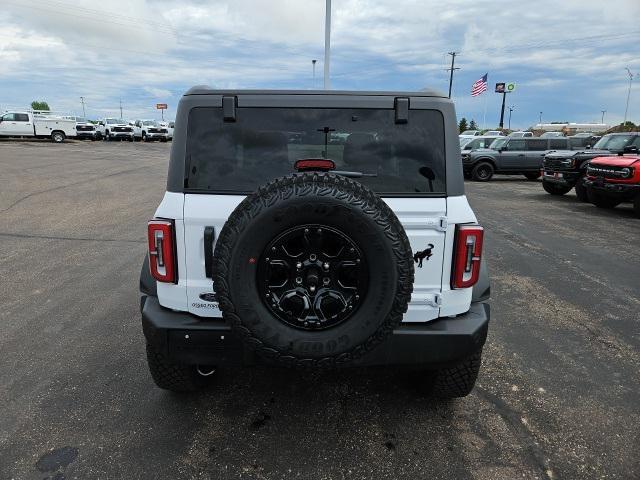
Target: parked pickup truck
<point>147,130</point>
<point>27,124</point>
<point>115,129</point>
<point>566,169</point>
<point>84,128</point>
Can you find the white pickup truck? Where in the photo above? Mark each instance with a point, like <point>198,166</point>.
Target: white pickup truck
<point>148,130</point>
<point>115,129</point>
<point>28,124</point>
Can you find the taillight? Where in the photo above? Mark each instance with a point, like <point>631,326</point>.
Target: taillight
<point>162,250</point>
<point>467,256</point>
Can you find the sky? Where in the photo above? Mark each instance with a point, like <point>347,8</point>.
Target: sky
<point>568,58</point>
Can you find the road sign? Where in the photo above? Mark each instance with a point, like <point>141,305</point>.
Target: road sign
<point>161,106</point>
<point>500,87</point>
<point>511,87</point>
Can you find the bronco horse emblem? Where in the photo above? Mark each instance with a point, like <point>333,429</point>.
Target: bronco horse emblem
<point>420,256</point>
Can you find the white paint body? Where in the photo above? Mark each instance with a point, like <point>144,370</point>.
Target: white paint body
<point>426,221</point>
<point>30,125</point>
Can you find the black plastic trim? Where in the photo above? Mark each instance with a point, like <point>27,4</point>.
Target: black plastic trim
<point>188,339</point>
<point>401,105</point>
<point>229,105</point>
<point>209,237</point>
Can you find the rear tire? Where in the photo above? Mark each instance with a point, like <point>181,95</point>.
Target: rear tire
<point>581,190</point>
<point>554,189</point>
<point>173,376</point>
<point>532,176</point>
<point>482,172</point>
<point>601,201</point>
<point>57,137</point>
<point>636,205</point>
<point>458,380</point>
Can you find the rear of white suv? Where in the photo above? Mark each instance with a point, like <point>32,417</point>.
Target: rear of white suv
<point>302,295</point>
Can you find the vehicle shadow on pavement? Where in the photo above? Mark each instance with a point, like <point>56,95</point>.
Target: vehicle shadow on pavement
<point>624,210</point>
<point>274,421</point>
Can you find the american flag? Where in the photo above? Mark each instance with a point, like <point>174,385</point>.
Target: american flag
<point>479,86</point>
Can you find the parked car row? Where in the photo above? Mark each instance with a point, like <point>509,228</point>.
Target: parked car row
<point>483,156</point>
<point>142,130</point>
<point>606,175</point>
<point>58,128</point>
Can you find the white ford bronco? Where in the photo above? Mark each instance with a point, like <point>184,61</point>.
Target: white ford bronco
<point>315,230</point>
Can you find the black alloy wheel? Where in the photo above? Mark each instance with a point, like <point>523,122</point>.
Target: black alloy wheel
<point>312,277</point>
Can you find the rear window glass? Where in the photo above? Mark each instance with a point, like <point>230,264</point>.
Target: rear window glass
<point>264,143</point>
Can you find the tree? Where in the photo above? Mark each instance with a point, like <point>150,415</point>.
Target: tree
<point>473,125</point>
<point>40,105</point>
<point>462,126</point>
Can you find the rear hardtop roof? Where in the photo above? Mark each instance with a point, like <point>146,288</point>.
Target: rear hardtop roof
<point>205,90</point>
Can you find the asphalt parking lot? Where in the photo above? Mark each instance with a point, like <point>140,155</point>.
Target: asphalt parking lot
<point>558,396</point>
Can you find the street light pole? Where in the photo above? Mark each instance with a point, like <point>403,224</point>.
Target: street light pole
<point>313,63</point>
<point>603,112</point>
<point>540,122</point>
<point>510,110</point>
<point>120,108</point>
<point>626,110</point>
<point>453,60</point>
<point>327,44</point>
<point>84,115</point>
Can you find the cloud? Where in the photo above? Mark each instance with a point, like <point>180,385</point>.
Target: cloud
<point>569,64</point>
<point>157,92</point>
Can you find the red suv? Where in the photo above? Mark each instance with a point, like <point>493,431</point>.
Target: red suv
<point>613,180</point>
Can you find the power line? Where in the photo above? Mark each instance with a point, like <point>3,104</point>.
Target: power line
<point>98,16</point>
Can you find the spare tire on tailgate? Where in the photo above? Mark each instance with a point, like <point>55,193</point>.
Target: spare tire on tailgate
<point>313,270</point>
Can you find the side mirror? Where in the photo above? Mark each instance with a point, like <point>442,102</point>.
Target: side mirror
<point>588,146</point>
<point>630,149</point>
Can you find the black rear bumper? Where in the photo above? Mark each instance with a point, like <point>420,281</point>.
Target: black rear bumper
<point>187,339</point>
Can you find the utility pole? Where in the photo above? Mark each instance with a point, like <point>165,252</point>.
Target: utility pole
<point>510,110</point>
<point>626,110</point>
<point>453,60</point>
<point>327,44</point>
<point>313,63</point>
<point>120,108</point>
<point>603,112</point>
<point>84,115</point>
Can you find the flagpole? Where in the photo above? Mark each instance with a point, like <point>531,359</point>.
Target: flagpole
<point>484,115</point>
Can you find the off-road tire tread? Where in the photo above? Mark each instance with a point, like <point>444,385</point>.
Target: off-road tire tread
<point>581,191</point>
<point>458,380</point>
<point>555,189</point>
<point>474,171</point>
<point>302,185</point>
<point>602,201</point>
<point>172,376</point>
